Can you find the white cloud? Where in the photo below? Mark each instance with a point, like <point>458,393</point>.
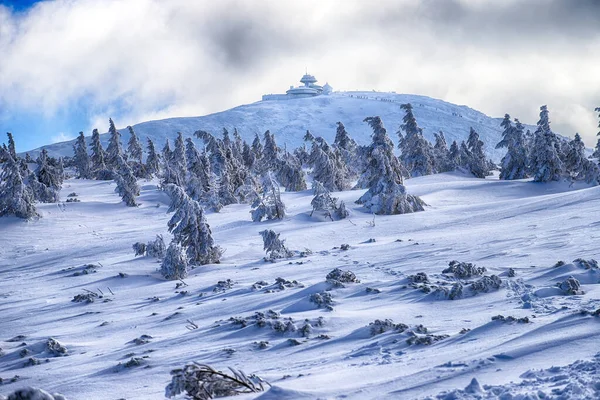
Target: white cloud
<point>61,137</point>
<point>148,59</point>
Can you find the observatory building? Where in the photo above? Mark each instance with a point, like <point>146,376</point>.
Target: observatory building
<point>309,88</point>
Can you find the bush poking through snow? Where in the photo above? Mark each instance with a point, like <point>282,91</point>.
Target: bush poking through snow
<point>570,286</point>
<point>586,264</point>
<point>337,278</point>
<point>202,382</point>
<point>175,264</point>
<point>156,248</point>
<point>53,346</point>
<point>139,248</point>
<point>463,270</point>
<point>322,300</point>
<point>274,246</point>
<point>31,393</point>
<point>381,326</point>
<point>486,284</point>
<point>419,277</point>
<point>511,319</point>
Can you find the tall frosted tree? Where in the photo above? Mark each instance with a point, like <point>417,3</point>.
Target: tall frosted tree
<point>175,264</point>
<point>98,157</point>
<point>477,163</point>
<point>290,173</point>
<point>441,154</point>
<point>114,150</point>
<point>270,152</point>
<point>134,148</point>
<point>190,228</point>
<point>16,198</point>
<point>597,149</point>
<point>454,156</point>
<point>347,148</point>
<point>127,186</point>
<point>417,154</point>
<point>153,160</point>
<point>328,166</point>
<point>546,164</point>
<point>514,164</point>
<point>269,204</point>
<point>383,176</point>
<point>81,159</point>
<point>47,171</point>
<point>11,146</point>
<point>575,161</point>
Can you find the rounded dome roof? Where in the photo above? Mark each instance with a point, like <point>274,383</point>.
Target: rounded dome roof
<point>308,79</point>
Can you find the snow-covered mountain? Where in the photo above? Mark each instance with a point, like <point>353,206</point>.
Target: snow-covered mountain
<point>289,120</point>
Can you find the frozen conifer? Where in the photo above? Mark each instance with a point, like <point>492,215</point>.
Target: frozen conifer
<point>127,186</point>
<point>11,146</point>
<point>274,246</point>
<point>596,153</point>
<point>248,157</point>
<point>383,176</point>
<point>134,148</point>
<point>290,173</point>
<point>81,160</point>
<point>441,154</point>
<point>545,160</point>
<point>269,204</point>
<point>270,153</point>
<point>417,153</point>
<point>575,166</point>
<point>190,228</point>
<point>257,148</point>
<point>476,161</point>
<point>98,158</point>
<point>40,191</point>
<point>152,161</point>
<point>324,203</point>
<point>454,156</point>
<point>115,147</point>
<point>16,198</point>
<point>308,137</point>
<point>328,166</point>
<point>175,264</point>
<point>514,163</point>
<point>48,171</point>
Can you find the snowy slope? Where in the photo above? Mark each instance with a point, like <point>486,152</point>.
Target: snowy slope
<point>289,120</point>
<point>494,224</point>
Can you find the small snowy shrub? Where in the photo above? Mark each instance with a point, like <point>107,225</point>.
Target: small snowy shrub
<point>463,270</point>
<point>175,264</point>
<point>31,393</point>
<point>156,248</point>
<point>53,346</point>
<point>274,246</point>
<point>139,248</point>
<point>322,300</point>
<point>337,277</point>
<point>486,284</point>
<point>202,382</point>
<point>571,286</point>
<point>381,326</point>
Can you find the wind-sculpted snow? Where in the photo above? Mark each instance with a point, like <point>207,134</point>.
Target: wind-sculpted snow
<point>388,306</point>
<point>289,120</point>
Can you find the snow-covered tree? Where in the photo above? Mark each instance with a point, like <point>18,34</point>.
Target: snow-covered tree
<point>16,197</point>
<point>417,153</point>
<point>98,158</point>
<point>514,163</point>
<point>175,264</point>
<point>269,204</point>
<point>81,158</point>
<point>248,157</point>
<point>290,173</point>
<point>326,204</point>
<point>40,191</point>
<point>454,156</point>
<point>270,153</point>
<point>257,148</point>
<point>135,154</point>
<point>383,176</point>
<point>328,167</point>
<point>441,154</point>
<point>115,147</point>
<point>546,164</point>
<point>575,166</point>
<point>178,162</point>
<point>48,171</point>
<point>190,228</point>
<point>11,146</point>
<point>477,163</point>
<point>308,137</point>
<point>127,186</point>
<point>153,160</point>
<point>274,246</point>
<point>597,149</point>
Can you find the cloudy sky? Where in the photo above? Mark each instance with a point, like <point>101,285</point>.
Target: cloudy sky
<point>67,65</point>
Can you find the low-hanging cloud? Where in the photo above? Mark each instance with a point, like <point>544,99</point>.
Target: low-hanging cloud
<point>146,59</point>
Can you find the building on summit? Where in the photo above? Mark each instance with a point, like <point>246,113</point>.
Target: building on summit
<point>308,89</point>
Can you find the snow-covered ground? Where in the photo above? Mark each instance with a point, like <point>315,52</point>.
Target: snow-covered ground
<point>494,224</point>
<point>289,120</point>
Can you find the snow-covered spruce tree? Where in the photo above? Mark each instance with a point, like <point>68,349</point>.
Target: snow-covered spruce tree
<point>152,166</point>
<point>81,159</point>
<point>383,177</point>
<point>175,264</point>
<point>114,150</point>
<point>323,202</point>
<point>11,146</point>
<point>127,186</point>
<point>308,137</point>
<point>135,154</point>
<point>441,154</point>
<point>417,153</point>
<point>190,228</point>
<point>178,162</point>
<point>546,165</point>
<point>40,191</point>
<point>28,159</point>
<point>328,166</point>
<point>477,163</point>
<point>197,178</point>
<point>156,248</point>
<point>248,157</point>
<point>301,154</point>
<point>168,176</point>
<point>257,149</point>
<point>269,204</point>
<point>454,156</point>
<point>290,173</point>
<point>274,246</point>
<point>514,163</point>
<point>237,145</point>
<point>270,153</point>
<point>48,171</point>
<point>98,158</point>
<point>575,167</point>
<point>596,153</point>
<point>16,197</point>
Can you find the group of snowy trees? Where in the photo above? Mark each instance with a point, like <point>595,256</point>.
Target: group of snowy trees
<point>544,155</point>
<point>21,187</point>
